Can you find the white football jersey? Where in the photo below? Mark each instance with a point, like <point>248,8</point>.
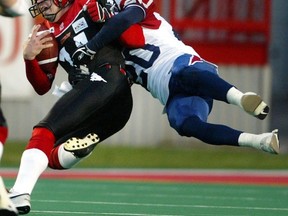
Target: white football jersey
<point>150,65</point>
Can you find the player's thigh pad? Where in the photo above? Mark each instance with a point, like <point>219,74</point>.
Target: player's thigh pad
<point>181,107</point>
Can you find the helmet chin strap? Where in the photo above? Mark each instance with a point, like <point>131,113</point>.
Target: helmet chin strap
<point>51,17</point>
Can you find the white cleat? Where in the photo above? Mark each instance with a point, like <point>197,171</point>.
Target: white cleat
<point>20,201</point>
<point>270,143</point>
<point>82,147</point>
<point>254,105</point>
<point>6,206</point>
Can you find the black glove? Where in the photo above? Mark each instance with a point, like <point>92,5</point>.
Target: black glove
<point>82,56</point>
<point>77,74</point>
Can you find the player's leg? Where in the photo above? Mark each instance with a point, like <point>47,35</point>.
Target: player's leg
<point>109,115</point>
<point>3,132</point>
<point>201,78</point>
<point>7,208</point>
<point>37,153</point>
<point>3,129</point>
<point>34,161</point>
<point>188,116</point>
<point>68,114</point>
<point>70,152</point>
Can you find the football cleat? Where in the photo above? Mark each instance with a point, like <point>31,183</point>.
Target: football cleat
<point>6,206</point>
<point>20,201</point>
<point>270,143</point>
<point>254,105</point>
<point>82,147</point>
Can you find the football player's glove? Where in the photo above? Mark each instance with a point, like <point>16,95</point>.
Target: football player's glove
<point>82,56</point>
<point>77,74</point>
<point>97,12</point>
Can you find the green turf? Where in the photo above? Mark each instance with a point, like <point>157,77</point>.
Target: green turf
<point>73,197</point>
<point>166,157</point>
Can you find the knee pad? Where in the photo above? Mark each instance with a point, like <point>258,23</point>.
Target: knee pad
<point>181,107</point>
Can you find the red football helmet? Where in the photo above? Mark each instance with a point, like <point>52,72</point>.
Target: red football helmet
<point>39,6</point>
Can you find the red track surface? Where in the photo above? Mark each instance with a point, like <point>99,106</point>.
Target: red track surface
<point>167,175</point>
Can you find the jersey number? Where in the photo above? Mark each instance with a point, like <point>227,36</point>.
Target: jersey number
<point>150,50</point>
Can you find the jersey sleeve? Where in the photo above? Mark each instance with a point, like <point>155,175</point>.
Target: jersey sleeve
<point>114,27</point>
<point>133,37</point>
<point>127,13</point>
<point>40,80</point>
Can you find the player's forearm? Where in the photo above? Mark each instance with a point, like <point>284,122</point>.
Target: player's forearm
<point>38,78</point>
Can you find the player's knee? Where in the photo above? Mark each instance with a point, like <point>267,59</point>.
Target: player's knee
<point>188,126</point>
<point>192,127</point>
<point>177,118</point>
<point>182,110</point>
<point>177,125</point>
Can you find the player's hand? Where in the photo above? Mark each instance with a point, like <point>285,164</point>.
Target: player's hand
<point>97,12</point>
<point>76,74</point>
<point>35,43</point>
<point>82,56</point>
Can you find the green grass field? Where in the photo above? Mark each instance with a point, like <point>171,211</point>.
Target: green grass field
<point>119,198</point>
<point>209,157</point>
<point>60,196</point>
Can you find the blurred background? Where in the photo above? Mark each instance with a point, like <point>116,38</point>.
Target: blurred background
<point>247,39</point>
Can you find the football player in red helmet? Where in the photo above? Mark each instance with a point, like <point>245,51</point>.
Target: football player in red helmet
<point>48,8</point>
<point>97,101</point>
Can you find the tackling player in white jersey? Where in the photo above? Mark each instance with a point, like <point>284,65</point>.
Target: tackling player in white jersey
<point>175,74</point>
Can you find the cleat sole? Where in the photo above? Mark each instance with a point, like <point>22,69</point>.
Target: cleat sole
<point>254,105</point>
<point>82,147</point>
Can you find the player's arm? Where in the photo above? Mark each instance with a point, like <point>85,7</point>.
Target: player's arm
<point>13,8</point>
<point>111,30</point>
<point>115,26</point>
<point>39,79</point>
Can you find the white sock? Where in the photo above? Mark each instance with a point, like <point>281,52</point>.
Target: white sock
<point>67,159</point>
<point>234,96</point>
<point>1,150</point>
<point>251,140</point>
<point>33,163</point>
